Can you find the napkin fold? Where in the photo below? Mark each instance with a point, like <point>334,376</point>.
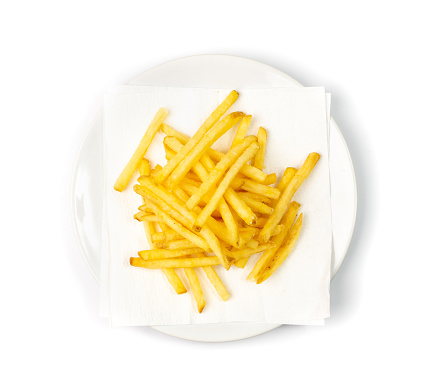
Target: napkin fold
<point>297,122</point>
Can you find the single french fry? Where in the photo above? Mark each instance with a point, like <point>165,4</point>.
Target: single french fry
<point>219,170</point>
<point>287,195</point>
<point>211,120</point>
<point>164,237</point>
<point>265,190</point>
<point>196,288</point>
<point>241,131</point>
<point>144,167</point>
<point>179,244</point>
<point>241,263</point>
<point>193,176</point>
<point>271,179</point>
<point>234,169</point>
<point>247,170</point>
<point>207,234</point>
<point>287,176</point>
<point>254,196</point>
<point>287,222</point>
<point>284,250</point>
<point>216,282</point>
<point>229,221</point>
<point>141,150</point>
<point>142,216</point>
<point>259,158</point>
<point>246,252</point>
<point>167,253</point>
<point>277,230</point>
<point>257,206</point>
<point>242,209</point>
<point>186,262</point>
<point>178,227</point>
<point>202,146</point>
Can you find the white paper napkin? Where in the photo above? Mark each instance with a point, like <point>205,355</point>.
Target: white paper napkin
<point>298,293</point>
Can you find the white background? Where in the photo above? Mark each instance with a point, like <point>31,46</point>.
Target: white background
<point>377,58</point>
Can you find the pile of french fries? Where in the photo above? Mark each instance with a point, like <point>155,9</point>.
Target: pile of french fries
<point>205,208</point>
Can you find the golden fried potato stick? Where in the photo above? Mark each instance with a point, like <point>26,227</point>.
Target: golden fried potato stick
<point>178,244</point>
<point>202,147</point>
<point>186,262</point>
<point>215,245</point>
<point>234,169</point>
<point>241,263</point>
<point>265,190</point>
<point>254,196</point>
<point>257,206</point>
<point>170,274</point>
<point>144,167</point>
<point>140,152</point>
<point>259,159</point>
<point>166,236</point>
<point>288,174</point>
<point>271,179</point>
<point>247,170</point>
<point>142,216</point>
<point>242,209</point>
<point>197,137</point>
<point>246,252</point>
<point>287,195</point>
<point>196,287</point>
<point>219,171</point>
<point>216,282</point>
<point>167,253</point>
<point>284,250</point>
<point>277,230</point>
<point>287,222</point>
<point>176,226</point>
<point>241,131</point>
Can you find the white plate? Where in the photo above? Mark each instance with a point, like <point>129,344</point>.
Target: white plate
<point>215,71</point>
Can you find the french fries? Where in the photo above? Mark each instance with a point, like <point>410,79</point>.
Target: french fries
<point>140,152</point>
<point>188,262</point>
<point>287,221</point>
<point>241,131</point>
<point>214,208</point>
<point>219,171</point>
<point>285,249</point>
<point>286,197</point>
<point>259,159</point>
<point>196,287</point>
<point>205,127</point>
<point>234,169</point>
